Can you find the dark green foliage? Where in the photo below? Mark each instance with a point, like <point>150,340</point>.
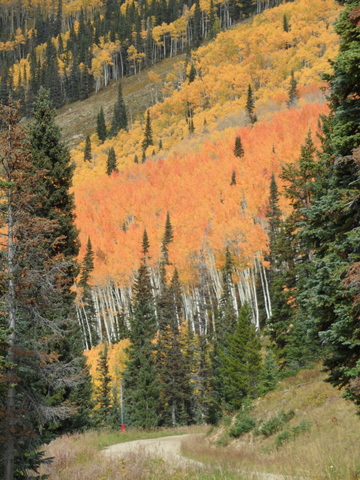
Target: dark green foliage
<point>87,149</point>
<point>238,149</point>
<point>250,106</point>
<point>101,129</point>
<point>167,239</point>
<point>140,376</point>
<point>148,139</point>
<point>293,91</point>
<point>244,424</point>
<point>269,374</point>
<point>87,265</point>
<point>240,362</point>
<point>286,435</point>
<point>119,121</point>
<point>285,23</point>
<point>233,178</point>
<point>275,424</point>
<point>136,160</point>
<point>192,73</point>
<point>111,162</point>
<point>103,391</point>
<point>50,154</point>
<point>292,329</point>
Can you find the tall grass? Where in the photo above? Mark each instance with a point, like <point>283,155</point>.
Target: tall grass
<point>327,449</point>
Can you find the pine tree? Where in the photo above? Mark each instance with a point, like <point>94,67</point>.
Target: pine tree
<point>101,126</point>
<point>285,23</point>
<point>103,391</point>
<point>51,156</point>
<point>238,149</point>
<point>269,374</point>
<point>148,139</point>
<point>293,91</point>
<point>233,178</point>
<point>111,162</point>
<point>250,106</point>
<point>119,121</point>
<point>240,362</point>
<point>333,217</point>
<point>140,377</point>
<point>87,149</point>
<point>192,73</point>
<point>167,239</point>
<point>33,283</point>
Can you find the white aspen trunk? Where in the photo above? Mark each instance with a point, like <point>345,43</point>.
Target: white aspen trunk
<point>86,346</point>
<point>255,301</point>
<point>97,312</point>
<point>103,312</point>
<point>88,326</point>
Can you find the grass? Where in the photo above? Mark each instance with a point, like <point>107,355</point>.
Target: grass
<point>320,441</point>
<point>137,93</point>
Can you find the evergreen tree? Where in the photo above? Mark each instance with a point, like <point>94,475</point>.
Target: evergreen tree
<point>52,157</point>
<point>250,106</point>
<point>87,149</point>
<point>103,391</point>
<point>167,239</point>
<point>273,213</point>
<point>87,266</point>
<point>148,139</point>
<point>238,149</point>
<point>293,91</point>
<point>233,178</point>
<point>140,376</point>
<point>240,362</point>
<point>33,285</point>
<point>285,23</point>
<point>101,126</point>
<point>333,219</point>
<point>192,73</point>
<point>269,374</point>
<point>111,162</point>
<point>119,121</point>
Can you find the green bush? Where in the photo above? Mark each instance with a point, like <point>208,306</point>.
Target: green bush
<point>275,424</point>
<point>286,435</point>
<point>242,425</point>
<point>282,437</point>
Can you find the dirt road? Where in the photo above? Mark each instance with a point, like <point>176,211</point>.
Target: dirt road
<point>167,448</point>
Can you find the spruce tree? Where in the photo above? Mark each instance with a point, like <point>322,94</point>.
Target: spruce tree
<point>140,376</point>
<point>111,162</point>
<point>103,391</point>
<point>87,149</point>
<point>293,91</point>
<point>52,157</point>
<point>87,267</point>
<point>39,374</point>
<point>250,106</point>
<point>240,362</point>
<point>333,217</point>
<point>233,178</point>
<point>101,126</point>
<point>167,239</point>
<point>238,149</point>
<point>119,121</point>
<point>148,139</point>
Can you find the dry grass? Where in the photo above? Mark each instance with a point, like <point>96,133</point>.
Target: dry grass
<point>328,451</point>
<point>79,119</point>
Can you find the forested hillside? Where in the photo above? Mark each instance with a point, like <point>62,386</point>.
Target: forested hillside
<point>197,247</point>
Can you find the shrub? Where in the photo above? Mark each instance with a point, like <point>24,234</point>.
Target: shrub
<point>241,426</point>
<point>276,423</point>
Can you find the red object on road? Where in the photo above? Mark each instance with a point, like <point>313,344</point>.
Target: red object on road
<point>122,427</point>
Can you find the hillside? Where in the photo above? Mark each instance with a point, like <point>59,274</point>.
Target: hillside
<point>183,167</point>
<point>320,441</point>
